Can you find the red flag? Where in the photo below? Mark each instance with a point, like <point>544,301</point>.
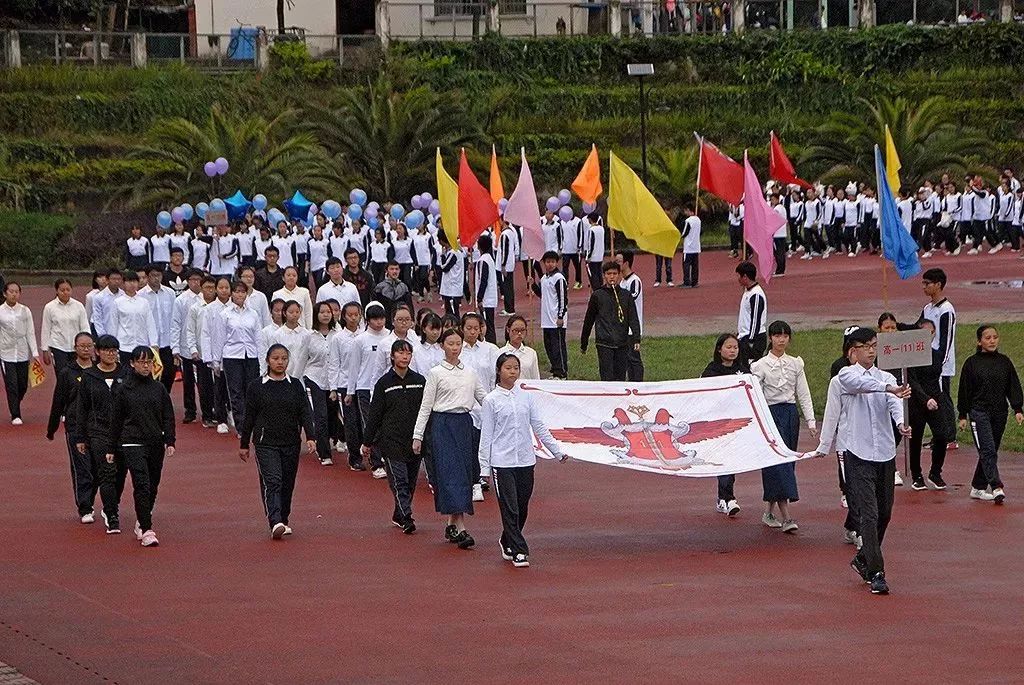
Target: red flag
<point>720,174</point>
<point>779,166</point>
<point>477,210</point>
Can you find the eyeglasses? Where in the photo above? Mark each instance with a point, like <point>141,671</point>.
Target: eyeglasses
<point>84,346</point>
<point>861,346</point>
<point>517,329</point>
<point>144,362</point>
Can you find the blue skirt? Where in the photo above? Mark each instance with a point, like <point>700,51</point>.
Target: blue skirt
<point>452,445</point>
<point>779,482</point>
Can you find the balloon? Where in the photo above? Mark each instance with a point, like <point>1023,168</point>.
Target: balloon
<point>355,212</point>
<point>274,216</point>
<point>564,196</point>
<point>259,202</point>
<point>589,207</point>
<point>373,205</point>
<point>416,201</point>
<point>331,209</point>
<point>163,219</point>
<point>201,209</point>
<point>426,199</point>
<point>210,169</point>
<point>565,213</point>
<point>552,204</point>
<point>414,219</point>
<point>221,165</point>
<point>177,215</point>
<point>502,204</point>
<point>373,222</point>
<point>217,205</point>
<point>435,208</point>
<point>186,211</point>
<point>397,212</point>
<point>371,212</point>
<point>357,197</point>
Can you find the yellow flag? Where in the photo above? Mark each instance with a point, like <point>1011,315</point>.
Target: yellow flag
<point>36,374</point>
<point>892,163</point>
<point>634,211</point>
<point>158,365</point>
<point>448,198</point>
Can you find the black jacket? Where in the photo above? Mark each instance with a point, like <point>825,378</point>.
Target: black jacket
<point>614,314</point>
<point>274,413</point>
<point>714,369</point>
<point>65,400</point>
<point>141,412</point>
<point>94,402</point>
<point>269,283</point>
<point>363,281</point>
<point>988,381</point>
<point>396,402</point>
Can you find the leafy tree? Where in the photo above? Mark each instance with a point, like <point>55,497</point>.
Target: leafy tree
<point>674,177</point>
<point>11,189</point>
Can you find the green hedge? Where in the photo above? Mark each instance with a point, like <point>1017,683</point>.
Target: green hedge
<point>29,240</point>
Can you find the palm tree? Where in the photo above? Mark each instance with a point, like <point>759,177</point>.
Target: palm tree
<point>11,190</point>
<point>674,176</point>
<point>270,157</point>
<point>928,142</point>
<point>385,141</point>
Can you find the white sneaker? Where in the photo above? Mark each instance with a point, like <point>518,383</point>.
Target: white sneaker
<point>997,248</point>
<point>149,539</point>
<point>287,530</point>
<point>732,507</point>
<point>973,250</point>
<point>670,284</point>
<point>379,473</point>
<point>800,248</point>
<point>722,507</point>
<point>789,526</point>
<point>998,495</point>
<point>956,252</point>
<point>277,532</point>
<point>770,521</point>
<point>478,493</point>
<point>17,422</point>
<point>927,255</point>
<point>983,495</point>
<point>842,502</point>
<point>138,531</point>
<point>520,561</point>
<point>898,480</point>
<point>828,253</point>
<point>850,537</point>
<point>88,518</point>
<point>222,428</point>
<point>327,462</point>
<point>657,284</point>
<point>850,254</point>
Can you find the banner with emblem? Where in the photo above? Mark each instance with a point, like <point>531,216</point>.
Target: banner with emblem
<point>699,428</point>
<point>36,374</point>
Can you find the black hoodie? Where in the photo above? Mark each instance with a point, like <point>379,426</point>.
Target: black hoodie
<point>141,412</point>
<point>93,406</point>
<point>65,400</point>
<point>988,381</point>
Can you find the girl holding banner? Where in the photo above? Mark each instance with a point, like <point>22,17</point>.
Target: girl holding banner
<point>726,362</point>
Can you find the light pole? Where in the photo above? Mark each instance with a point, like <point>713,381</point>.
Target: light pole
<point>639,71</point>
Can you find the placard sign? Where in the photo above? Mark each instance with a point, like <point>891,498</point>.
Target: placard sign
<point>904,349</point>
<point>216,217</point>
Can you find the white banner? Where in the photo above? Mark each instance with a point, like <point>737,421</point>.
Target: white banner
<point>700,427</point>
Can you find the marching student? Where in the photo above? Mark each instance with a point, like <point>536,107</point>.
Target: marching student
<point>318,248</point>
<point>361,379</point>
<point>284,241</point>
<point>632,283</point>
<point>301,240</point>
<point>736,215</point>
<point>200,246</point>
<point>509,420</point>
<point>233,333</point>
<point>451,391</point>
<point>270,277</point>
<point>317,374</point>
<point>341,346</point>
<point>487,286</point>
<point>402,330</point>
<point>453,277</point>
<point>91,430</point>
<point>478,355</point>
<point>136,249</point>
<point>336,287</point>
<point>868,234</point>
<point>355,274</point>
<point>430,353</point>
<point>402,244</point>
<point>550,226</point>
<point>795,218</point>
<point>224,253</point>
<point>941,313</point>
<point>160,248</point>
<point>813,213</point>
<point>103,303</point>
<point>179,341</point>
<point>595,250</point>
<point>752,324</point>
<point>294,336</point>
<point>277,409</point>
<point>984,206</point>
<point>785,386</point>
<point>423,256</point>
<point>381,253</point>
<point>254,300</point>
<point>508,254</point>
<point>691,249</point>
<point>726,362</point>
<point>99,283</point>
<point>246,244</point>
<point>131,319</point>
<point>515,334</point>
<point>389,429</point>
<point>919,227</point>
<point>829,214</point>
<point>779,237</point>
<point>267,333</point>
<point>569,243</point>
<point>259,247</point>
<point>392,290</point>
<point>142,426</point>
<point>63,319</point>
<point>930,406</point>
<point>554,309</point>
<point>182,241</point>
<point>611,312</point>
<point>192,349</point>
<point>175,275</point>
<point>161,304</point>
<point>84,471</point>
<point>1005,217</point>
<point>203,342</point>
<point>988,382</point>
<point>293,292</point>
<point>951,218</point>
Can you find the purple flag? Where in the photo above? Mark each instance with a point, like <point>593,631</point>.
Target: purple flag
<point>760,222</point>
<point>522,210</point>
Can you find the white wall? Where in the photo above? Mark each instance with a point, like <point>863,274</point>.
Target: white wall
<point>410,21</point>
<point>220,16</point>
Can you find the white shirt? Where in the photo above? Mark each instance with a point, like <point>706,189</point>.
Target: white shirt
<point>300,295</point>
<point>454,389</point>
<point>89,297</point>
<point>132,322</point>
<point>753,318</point>
<point>490,294</point>
<point>863,426</point>
<point>935,314</point>
<point>783,381</point>
<point>691,242</point>
<point>341,346</point>
<point>138,247</point>
<point>403,250</point>
<point>570,236</point>
<point>381,361</point>
<point>161,302</point>
<point>595,243</point>
<point>182,307</point>
<point>342,293</point>
<point>284,245</point>
<point>509,420</point>
<point>62,322</point>
<point>297,341</point>
<point>427,357</point>
<point>780,232</point>
<point>234,333</point>
<point>454,278</point>
<point>529,366</point>
<point>194,326</point>
<point>257,302</point>
<point>363,352</point>
<point>102,306</point>
<point>550,229</point>
<point>160,248</point>
<point>17,333</point>
<point>318,253</point>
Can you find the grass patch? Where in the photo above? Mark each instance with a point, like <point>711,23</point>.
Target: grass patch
<point>28,240</point>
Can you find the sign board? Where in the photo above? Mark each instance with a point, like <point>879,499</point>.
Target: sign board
<point>904,349</point>
<point>216,217</point>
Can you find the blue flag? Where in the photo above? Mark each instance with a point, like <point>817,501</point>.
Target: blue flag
<point>897,244</point>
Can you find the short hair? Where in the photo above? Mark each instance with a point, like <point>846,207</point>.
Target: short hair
<point>142,352</point>
<point>401,346</point>
<point>239,286</point>
<point>61,281</point>
<point>84,334</point>
<point>392,262</point>
<point>178,250</point>
<point>193,273</point>
<point>935,276</point>
<point>485,243</point>
<point>131,276</point>
<point>274,348</point>
<point>289,303</point>
<point>401,307</point>
<point>627,257</point>
<point>114,271</point>
<point>271,248</point>
<point>887,316</point>
<point>747,269</point>
<point>107,342</point>
<point>610,265</point>
<point>345,307</point>
<point>862,336</point>
<point>150,268</point>
<point>243,268</point>
<point>208,279</point>
<point>277,301</point>
<point>291,268</point>
<point>779,328</point>
<point>332,261</point>
<point>550,254</point>
<point>348,251</point>
<point>374,310</point>
<point>500,362</point>
<point>447,333</point>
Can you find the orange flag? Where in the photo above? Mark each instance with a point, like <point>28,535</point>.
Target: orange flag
<point>497,190</point>
<point>36,374</point>
<point>477,210</point>
<point>588,183</point>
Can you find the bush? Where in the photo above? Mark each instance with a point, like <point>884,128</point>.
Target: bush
<point>29,240</point>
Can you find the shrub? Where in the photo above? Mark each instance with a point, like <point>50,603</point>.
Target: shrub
<point>29,240</point>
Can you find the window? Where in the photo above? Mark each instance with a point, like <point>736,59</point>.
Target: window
<point>457,7</point>
<point>511,6</point>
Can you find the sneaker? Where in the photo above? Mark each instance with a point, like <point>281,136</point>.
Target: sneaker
<point>861,567</point>
<point>138,531</point>
<point>733,507</point>
<point>973,250</point>
<point>936,482</point>
<point>17,422</point>
<point>996,249</point>
<point>800,248</point>
<point>670,284</point>
<point>277,532</point>
<point>850,537</point>
<point>878,584</point>
<point>577,286</point>
<point>327,462</point>
<point>464,540</point>
<point>956,252</point>
<point>998,495</point>
<point>521,561</point>
<point>358,466</point>
<point>842,502</point>
<point>657,284</point>
<point>983,495</point>
<point>209,424</point>
<point>379,473</point>
<point>898,480</point>
<point>484,484</point>
<point>506,553</point>
<point>450,533</point>
<point>478,493</point>
<point>189,419</point>
<point>927,255</point>
<point>806,255</point>
<point>850,254</point>
<point>287,530</point>
<point>722,507</point>
<point>504,313</point>
<point>770,521</point>
<point>222,428</point>
<point>918,484</point>
<point>397,523</point>
<point>88,518</point>
<point>409,527</point>
<point>789,526</point>
<point>828,253</point>
<point>113,525</point>
<point>149,539</point>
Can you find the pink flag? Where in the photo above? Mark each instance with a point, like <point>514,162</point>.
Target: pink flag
<point>522,210</point>
<point>760,222</point>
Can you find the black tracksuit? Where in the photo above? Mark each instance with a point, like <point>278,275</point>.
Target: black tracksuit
<point>613,312</point>
<point>142,424</point>
<point>276,410</point>
<point>389,426</point>
<point>84,471</point>
<point>91,426</point>
<point>988,381</point>
<point>712,370</point>
<point>925,385</point>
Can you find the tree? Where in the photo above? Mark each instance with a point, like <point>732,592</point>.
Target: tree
<point>928,142</point>
<point>385,141</point>
<point>674,176</point>
<point>11,189</point>
<point>270,157</point>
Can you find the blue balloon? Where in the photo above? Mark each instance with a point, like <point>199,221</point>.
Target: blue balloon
<point>217,205</point>
<point>414,219</point>
<point>163,219</point>
<point>355,212</point>
<point>275,216</point>
<point>259,202</point>
<point>373,222</point>
<point>357,197</point>
<point>331,209</point>
<point>201,209</point>
<point>186,211</point>
<point>397,212</point>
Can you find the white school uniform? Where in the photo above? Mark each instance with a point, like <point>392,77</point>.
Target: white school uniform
<point>132,323</point>
<point>61,323</point>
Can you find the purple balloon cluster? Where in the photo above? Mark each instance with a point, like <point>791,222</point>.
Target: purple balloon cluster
<point>218,167</point>
<point>559,204</point>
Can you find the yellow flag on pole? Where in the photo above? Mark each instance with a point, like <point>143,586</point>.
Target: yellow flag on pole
<point>36,374</point>
<point>448,198</point>
<point>633,210</point>
<point>892,163</point>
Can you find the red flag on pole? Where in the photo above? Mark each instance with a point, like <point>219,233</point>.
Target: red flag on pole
<point>779,166</point>
<point>720,174</point>
<point>477,210</point>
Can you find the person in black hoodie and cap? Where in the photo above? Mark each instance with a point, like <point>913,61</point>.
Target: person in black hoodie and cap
<point>91,426</point>
<point>142,425</point>
<point>613,311</point>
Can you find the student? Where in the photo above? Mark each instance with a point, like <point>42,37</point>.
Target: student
<point>260,244</point>
<point>594,251</point>
<point>136,250</point>
<point>430,353</point>
<point>270,278</point>
<point>487,286</point>
<point>611,312</point>
<point>632,283</point>
<point>550,225</point>
<point>402,330</point>
<point>381,253</point>
<point>181,241</point>
<point>84,471</point>
<point>267,333</point>
<point>319,251</point>
<point>691,249</point>
<point>423,255</point>
<point>392,291</point>
<point>361,377</point>
<point>284,241</point>
<point>736,214</point>
<point>988,382</point>
<point>795,218</point>
<point>785,386</point>
<point>515,334</point>
<point>104,302</point>
<point>142,426</point>
<point>195,374</point>
<point>209,314</point>
<point>751,326</point>
<point>295,337</point>
<point>453,277</point>
<point>200,246</point>
<point>813,213</point>
<point>131,319</point>
<point>160,248</point>
<point>277,409</point>
<point>779,236</point>
<point>316,375</point>
<point>17,348</point>
<point>508,254</point>
<point>175,274</point>
<point>450,393</point>
<point>569,242</point>
<point>509,420</point>
<point>851,224</point>
<point>224,252</point>
<point>161,303</point>
<point>479,355</point>
<point>293,292</point>
<point>341,347</point>
<point>941,313</point>
<point>301,240</point>
<point>360,278</point>
<point>336,287</point>
<point>554,309</point>
<point>99,283</point>
<point>930,406</point>
<point>389,429</point>
<point>402,244</point>
<point>234,334</point>
<point>726,362</point>
<point>254,300</point>
<point>63,319</point>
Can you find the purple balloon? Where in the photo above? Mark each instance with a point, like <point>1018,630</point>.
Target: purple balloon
<point>435,208</point>
<point>589,207</point>
<point>502,204</point>
<point>373,204</point>
<point>564,196</point>
<point>210,169</point>
<point>426,199</point>
<point>177,214</point>
<point>221,165</point>
<point>371,212</point>
<point>553,204</point>
<point>565,213</point>
<point>416,201</point>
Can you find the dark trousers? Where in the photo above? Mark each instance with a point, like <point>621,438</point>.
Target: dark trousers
<point>421,280</point>
<point>335,427</point>
<point>277,467</point>
<point>15,375</point>
<point>507,285</point>
<point>851,507</point>
<point>795,235</point>
<point>919,418</point>
<point>978,230</point>
<point>237,373</point>
<point>169,371</point>
<point>1014,236</point>
<point>302,264</point>
<point>574,259</point>
<point>452,305</point>
<point>735,237</point>
<point>658,262</point>
<point>513,488</point>
<point>780,256</point>
<point>612,362</point>
<point>318,402</point>
<point>490,335</point>
<point>691,269</point>
<point>188,387</point>
<point>353,428</point>
<point>995,233</point>
<point>145,463</point>
<point>635,372</point>
<point>60,359</point>
<point>815,243</point>
<point>558,354</point>
<point>402,477</point>
<point>111,477</point>
<point>377,270</point>
<point>363,397</point>
<point>85,477</point>
<point>207,390</point>
<point>987,430</point>
<point>596,278</point>
<point>725,487</point>
<point>753,349</point>
<point>870,487</point>
<point>834,233</point>
<point>850,238</point>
